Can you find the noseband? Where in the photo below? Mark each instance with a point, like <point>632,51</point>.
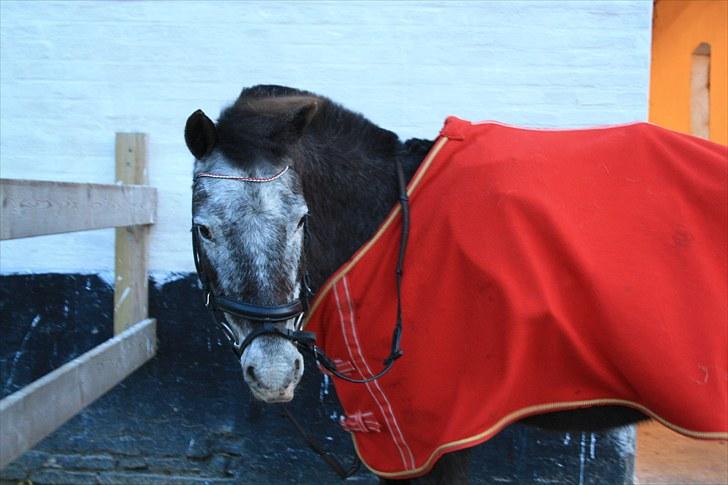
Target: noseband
<point>266,317</point>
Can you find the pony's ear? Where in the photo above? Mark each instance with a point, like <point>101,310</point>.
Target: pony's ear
<point>200,134</point>
<point>302,117</point>
<point>293,114</point>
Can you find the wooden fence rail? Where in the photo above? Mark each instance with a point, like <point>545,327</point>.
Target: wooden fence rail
<point>36,208</point>
<point>33,208</point>
<point>32,413</point>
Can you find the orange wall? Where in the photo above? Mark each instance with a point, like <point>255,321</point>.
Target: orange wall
<point>678,27</point>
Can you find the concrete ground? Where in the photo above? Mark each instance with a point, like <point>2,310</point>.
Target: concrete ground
<point>665,457</point>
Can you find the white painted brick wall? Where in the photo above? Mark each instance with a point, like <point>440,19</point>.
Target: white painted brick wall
<point>73,73</point>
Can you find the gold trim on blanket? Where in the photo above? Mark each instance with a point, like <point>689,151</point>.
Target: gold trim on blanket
<point>531,411</point>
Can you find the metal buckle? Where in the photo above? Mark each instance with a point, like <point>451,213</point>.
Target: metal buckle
<point>228,331</point>
<point>299,322</point>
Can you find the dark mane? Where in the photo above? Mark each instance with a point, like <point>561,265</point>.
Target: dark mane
<point>256,119</point>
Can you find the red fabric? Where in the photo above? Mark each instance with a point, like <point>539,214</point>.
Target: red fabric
<point>546,270</point>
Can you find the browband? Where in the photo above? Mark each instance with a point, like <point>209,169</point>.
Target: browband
<point>243,179</point>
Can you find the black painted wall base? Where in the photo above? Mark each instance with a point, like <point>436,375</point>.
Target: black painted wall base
<point>186,417</point>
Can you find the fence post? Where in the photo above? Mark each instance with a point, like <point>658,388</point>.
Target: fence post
<point>131,290</point>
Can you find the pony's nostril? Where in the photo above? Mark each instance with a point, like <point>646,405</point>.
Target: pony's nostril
<point>250,371</point>
<point>297,365</point>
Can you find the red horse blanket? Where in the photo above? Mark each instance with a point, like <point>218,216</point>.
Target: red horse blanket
<point>546,270</point>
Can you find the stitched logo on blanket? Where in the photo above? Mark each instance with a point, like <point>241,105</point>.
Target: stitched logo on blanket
<point>546,270</point>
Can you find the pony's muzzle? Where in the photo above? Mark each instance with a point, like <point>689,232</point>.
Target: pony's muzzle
<point>272,367</point>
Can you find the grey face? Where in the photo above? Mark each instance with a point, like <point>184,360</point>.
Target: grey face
<point>252,238</point>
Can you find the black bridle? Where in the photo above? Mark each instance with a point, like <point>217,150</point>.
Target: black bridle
<point>269,318</point>
<point>266,317</point>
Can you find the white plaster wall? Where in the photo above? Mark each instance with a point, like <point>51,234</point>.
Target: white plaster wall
<point>73,73</point>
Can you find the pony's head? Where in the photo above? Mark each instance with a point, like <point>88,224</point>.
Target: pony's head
<point>248,214</point>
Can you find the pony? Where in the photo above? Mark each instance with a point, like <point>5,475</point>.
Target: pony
<point>287,186</point>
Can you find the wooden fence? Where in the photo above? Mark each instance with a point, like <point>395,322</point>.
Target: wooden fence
<point>34,208</point>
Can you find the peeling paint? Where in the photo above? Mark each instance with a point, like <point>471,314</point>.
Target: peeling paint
<point>582,457</point>
<point>324,389</point>
<point>107,277</point>
<point>161,278</point>
<point>19,352</point>
<point>624,439</point>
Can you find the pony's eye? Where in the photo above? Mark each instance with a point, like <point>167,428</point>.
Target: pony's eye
<point>302,221</point>
<point>205,232</point>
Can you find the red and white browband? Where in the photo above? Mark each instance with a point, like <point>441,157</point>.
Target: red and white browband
<point>243,179</point>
